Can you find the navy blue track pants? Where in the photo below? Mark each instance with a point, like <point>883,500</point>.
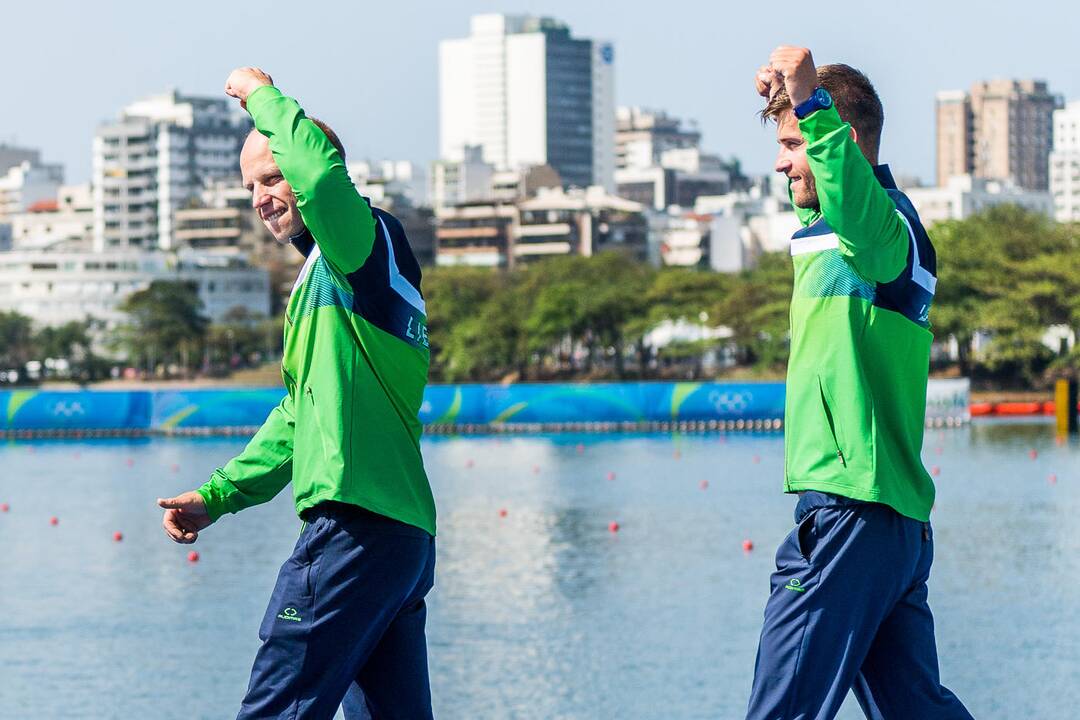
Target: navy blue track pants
<point>346,622</point>
<point>848,611</point>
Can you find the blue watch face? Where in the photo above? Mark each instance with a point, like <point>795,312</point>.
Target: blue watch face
<point>822,97</point>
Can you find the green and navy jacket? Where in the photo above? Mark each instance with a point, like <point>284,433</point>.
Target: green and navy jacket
<point>865,276</point>
<point>355,356</point>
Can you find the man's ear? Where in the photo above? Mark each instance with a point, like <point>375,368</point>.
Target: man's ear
<point>854,135</point>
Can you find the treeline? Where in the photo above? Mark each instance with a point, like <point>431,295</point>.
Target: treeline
<point>574,317</point>
<point>166,336</point>
<point>1006,278</point>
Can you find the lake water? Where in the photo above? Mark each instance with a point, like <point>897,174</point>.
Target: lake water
<point>543,613</point>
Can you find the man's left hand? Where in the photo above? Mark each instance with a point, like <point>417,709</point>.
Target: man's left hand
<point>796,66</point>
<point>244,81</point>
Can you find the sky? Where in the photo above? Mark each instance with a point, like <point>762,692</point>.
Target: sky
<point>371,69</point>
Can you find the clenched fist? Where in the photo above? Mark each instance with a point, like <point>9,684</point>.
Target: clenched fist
<point>791,68</point>
<point>243,81</point>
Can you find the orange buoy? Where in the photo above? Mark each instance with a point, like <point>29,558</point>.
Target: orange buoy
<point>747,545</point>
<point>676,454</point>
<point>613,526</point>
<point>193,556</point>
<point>117,536</point>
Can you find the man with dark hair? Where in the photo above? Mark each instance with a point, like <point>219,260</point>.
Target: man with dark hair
<point>346,619</point>
<point>847,608</point>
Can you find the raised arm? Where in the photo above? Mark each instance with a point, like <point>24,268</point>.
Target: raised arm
<point>872,234</point>
<point>339,219</point>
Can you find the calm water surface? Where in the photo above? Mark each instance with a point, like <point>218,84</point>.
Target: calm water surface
<point>543,613</point>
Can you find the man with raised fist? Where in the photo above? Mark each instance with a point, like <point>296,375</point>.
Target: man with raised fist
<point>346,618</point>
<point>848,604</point>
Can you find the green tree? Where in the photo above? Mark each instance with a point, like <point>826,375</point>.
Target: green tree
<point>166,324</point>
<point>678,293</point>
<point>454,297</point>
<point>756,309</point>
<point>74,342</point>
<point>16,341</point>
<point>1010,273</point>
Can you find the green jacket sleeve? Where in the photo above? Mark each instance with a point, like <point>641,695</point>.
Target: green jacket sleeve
<point>258,473</point>
<point>338,217</point>
<point>872,234</point>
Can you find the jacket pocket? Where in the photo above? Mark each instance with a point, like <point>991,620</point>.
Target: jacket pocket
<point>829,408</point>
<point>324,441</point>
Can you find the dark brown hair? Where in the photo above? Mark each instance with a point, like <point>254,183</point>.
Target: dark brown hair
<point>856,100</point>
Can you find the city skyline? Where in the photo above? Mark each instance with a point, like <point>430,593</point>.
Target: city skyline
<point>651,68</point>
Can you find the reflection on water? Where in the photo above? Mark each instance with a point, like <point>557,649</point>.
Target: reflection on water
<point>543,612</point>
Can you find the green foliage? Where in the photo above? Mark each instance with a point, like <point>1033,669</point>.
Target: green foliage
<point>1005,276</point>
<point>166,326</point>
<point>756,310</point>
<point>16,340</point>
<point>1010,274</point>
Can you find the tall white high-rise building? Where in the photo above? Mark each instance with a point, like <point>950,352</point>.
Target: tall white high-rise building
<point>155,160</point>
<point>527,93</point>
<point>1065,163</point>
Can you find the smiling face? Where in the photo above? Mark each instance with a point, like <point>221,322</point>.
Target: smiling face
<point>791,160</point>
<point>271,196</point>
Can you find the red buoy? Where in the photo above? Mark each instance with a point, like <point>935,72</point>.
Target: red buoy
<point>54,520</point>
<point>580,448</point>
<point>613,527</point>
<point>175,468</point>
<point>757,459</point>
<point>676,454</point>
<point>536,469</point>
<point>704,484</point>
<point>4,507</point>
<point>939,450</point>
<point>193,556</point>
<point>502,512</point>
<point>747,545</point>
<point>118,536</point>
<point>935,471</point>
<point>1052,479</point>
<point>469,463</point>
<point>611,475</point>
<point>130,462</point>
<point>1033,453</point>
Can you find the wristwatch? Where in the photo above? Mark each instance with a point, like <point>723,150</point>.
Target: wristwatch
<point>820,99</point>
